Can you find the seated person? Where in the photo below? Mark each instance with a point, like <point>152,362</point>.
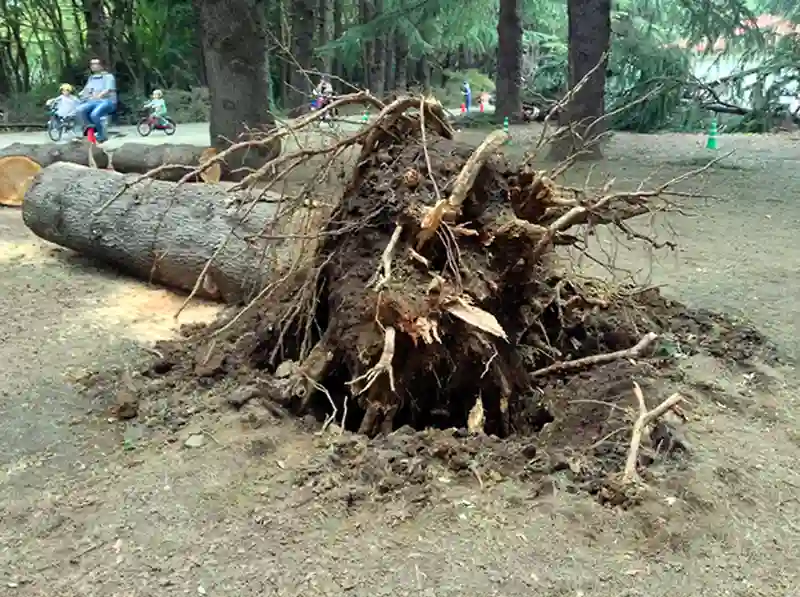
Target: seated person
<point>157,106</point>
<point>100,98</point>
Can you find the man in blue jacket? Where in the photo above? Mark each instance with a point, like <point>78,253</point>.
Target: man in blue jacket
<point>100,98</point>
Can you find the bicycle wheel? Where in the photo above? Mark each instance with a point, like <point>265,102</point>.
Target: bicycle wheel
<point>145,127</point>
<point>170,127</point>
<point>54,129</point>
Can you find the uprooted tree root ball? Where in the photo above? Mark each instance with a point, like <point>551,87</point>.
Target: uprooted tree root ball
<point>436,296</point>
<point>435,293</point>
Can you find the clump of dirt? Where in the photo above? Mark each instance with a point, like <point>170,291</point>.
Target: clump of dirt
<point>435,299</point>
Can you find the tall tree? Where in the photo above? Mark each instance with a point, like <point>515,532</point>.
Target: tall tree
<point>589,40</point>
<point>303,30</point>
<point>509,60</point>
<point>96,30</point>
<point>234,41</point>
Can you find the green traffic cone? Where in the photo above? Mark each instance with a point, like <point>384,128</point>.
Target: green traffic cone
<point>712,135</point>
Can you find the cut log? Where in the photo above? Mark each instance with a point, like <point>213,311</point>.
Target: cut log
<point>16,174</point>
<point>45,154</point>
<point>137,158</point>
<point>141,158</point>
<point>157,231</point>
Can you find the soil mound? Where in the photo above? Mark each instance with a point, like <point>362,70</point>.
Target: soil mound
<point>436,297</point>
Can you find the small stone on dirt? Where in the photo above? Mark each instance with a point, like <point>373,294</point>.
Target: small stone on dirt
<point>241,396</point>
<point>210,365</point>
<point>285,369</point>
<point>261,447</point>
<point>196,440</point>
<point>126,404</point>
<point>255,416</point>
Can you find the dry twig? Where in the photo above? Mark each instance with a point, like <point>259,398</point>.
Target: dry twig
<point>598,359</point>
<point>645,418</point>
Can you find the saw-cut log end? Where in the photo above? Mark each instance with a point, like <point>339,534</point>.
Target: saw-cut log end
<point>16,175</point>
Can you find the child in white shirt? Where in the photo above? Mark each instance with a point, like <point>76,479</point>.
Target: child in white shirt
<point>66,104</point>
<point>157,106</point>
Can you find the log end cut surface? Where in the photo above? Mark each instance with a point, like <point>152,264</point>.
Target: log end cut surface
<point>16,175</point>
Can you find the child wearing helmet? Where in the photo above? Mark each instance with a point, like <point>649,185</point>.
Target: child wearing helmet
<point>157,106</point>
<point>66,104</point>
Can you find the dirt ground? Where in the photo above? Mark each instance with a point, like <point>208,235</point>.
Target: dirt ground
<point>93,506</point>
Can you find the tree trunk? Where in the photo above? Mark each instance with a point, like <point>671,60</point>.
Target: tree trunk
<point>157,231</point>
<point>323,17</point>
<point>50,153</point>
<point>303,25</point>
<point>338,31</point>
<point>509,57</point>
<point>377,77</point>
<point>130,158</point>
<point>237,68</point>
<point>388,61</point>
<point>401,62</point>
<point>589,38</point>
<point>96,43</point>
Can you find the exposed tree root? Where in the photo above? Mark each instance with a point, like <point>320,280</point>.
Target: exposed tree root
<point>431,292</point>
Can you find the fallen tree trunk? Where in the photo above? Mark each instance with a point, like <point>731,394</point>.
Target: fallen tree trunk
<point>137,158</point>
<point>141,158</point>
<point>45,154</point>
<point>157,231</point>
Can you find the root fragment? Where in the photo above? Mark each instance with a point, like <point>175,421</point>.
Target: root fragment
<point>386,260</point>
<point>384,365</point>
<point>646,417</point>
<point>598,359</point>
<point>466,178</point>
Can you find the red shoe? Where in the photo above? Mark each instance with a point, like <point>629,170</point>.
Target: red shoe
<point>91,136</point>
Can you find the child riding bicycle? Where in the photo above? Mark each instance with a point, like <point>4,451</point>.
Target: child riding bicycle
<point>65,105</point>
<point>157,107</point>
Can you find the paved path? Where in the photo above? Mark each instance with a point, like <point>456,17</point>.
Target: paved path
<point>194,133</point>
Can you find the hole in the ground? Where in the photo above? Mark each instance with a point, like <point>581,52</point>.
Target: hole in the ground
<point>435,407</point>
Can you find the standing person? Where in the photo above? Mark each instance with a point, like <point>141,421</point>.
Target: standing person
<point>465,89</point>
<point>483,98</point>
<point>100,98</point>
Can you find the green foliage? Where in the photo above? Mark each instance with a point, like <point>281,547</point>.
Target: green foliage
<point>451,94</point>
<point>155,45</point>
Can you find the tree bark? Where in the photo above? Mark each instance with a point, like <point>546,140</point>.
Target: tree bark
<point>377,77</point>
<point>401,62</point>
<point>96,30</point>
<point>589,38</point>
<point>159,231</point>
<point>303,25</point>
<point>509,61</point>
<point>388,61</point>
<point>338,31</point>
<point>323,18</point>
<point>234,44</point>
<point>130,158</point>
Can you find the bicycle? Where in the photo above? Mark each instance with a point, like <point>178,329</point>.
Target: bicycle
<point>328,117</point>
<point>150,122</point>
<point>57,126</point>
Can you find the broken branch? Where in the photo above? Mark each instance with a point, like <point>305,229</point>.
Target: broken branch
<point>598,359</point>
<point>645,418</point>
